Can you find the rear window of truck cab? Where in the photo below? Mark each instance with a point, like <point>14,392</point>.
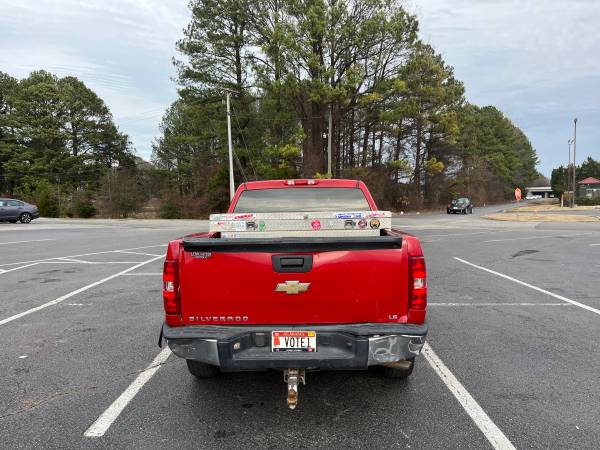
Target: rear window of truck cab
<point>301,199</point>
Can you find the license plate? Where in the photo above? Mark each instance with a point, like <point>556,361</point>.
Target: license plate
<point>293,341</point>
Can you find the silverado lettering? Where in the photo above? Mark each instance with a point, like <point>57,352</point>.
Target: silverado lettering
<point>218,319</point>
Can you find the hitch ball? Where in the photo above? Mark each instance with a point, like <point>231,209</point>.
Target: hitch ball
<point>293,377</point>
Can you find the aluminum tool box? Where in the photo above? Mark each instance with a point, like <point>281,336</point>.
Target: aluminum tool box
<point>324,224</point>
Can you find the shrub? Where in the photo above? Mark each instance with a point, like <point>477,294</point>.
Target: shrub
<point>587,201</point>
<point>169,210</point>
<point>47,200</point>
<point>85,208</point>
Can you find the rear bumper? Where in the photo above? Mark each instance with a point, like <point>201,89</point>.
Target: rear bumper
<point>339,347</point>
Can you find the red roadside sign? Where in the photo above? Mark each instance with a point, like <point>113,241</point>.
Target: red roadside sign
<point>518,194</point>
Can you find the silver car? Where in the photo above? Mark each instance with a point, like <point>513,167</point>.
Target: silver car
<point>12,210</point>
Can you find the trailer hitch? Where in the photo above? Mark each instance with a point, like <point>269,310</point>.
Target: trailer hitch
<point>293,377</point>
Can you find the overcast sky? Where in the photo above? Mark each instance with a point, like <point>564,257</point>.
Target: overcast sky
<point>536,60</point>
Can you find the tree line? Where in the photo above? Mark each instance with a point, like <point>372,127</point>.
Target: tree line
<point>562,177</point>
<point>60,148</point>
<point>398,116</point>
<point>299,72</point>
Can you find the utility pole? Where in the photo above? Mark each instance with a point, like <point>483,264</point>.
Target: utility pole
<point>109,176</point>
<point>329,144</point>
<point>568,180</point>
<point>574,159</point>
<point>230,145</point>
<point>469,169</point>
<point>58,178</point>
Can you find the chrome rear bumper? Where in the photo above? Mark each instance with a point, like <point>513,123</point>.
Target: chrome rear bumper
<point>387,349</point>
<point>339,347</point>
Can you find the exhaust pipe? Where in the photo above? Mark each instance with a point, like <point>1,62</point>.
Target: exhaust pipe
<point>398,364</point>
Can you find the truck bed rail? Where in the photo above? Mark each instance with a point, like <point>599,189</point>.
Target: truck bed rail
<point>292,244</point>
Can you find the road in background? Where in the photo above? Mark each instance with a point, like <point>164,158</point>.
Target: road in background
<point>529,359</point>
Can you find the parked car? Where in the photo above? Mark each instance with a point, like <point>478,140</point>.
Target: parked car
<point>297,300</point>
<point>461,205</point>
<point>12,210</point>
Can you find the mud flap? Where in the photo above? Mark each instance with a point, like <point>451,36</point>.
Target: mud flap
<point>160,337</point>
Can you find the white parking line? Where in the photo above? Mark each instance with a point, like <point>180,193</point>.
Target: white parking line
<point>18,268</point>
<point>23,242</point>
<point>95,262</point>
<point>82,254</point>
<point>67,261</point>
<point>467,234</point>
<point>136,253</point>
<point>491,304</point>
<point>493,434</point>
<point>539,237</point>
<point>153,274</point>
<point>75,292</point>
<point>489,429</point>
<point>81,261</point>
<point>531,286</point>
<point>106,419</point>
<point>594,245</point>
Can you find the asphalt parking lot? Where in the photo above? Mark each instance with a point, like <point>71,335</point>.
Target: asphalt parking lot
<point>514,355</point>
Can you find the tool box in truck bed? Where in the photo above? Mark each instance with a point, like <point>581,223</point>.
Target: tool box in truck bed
<point>298,275</point>
<point>309,224</point>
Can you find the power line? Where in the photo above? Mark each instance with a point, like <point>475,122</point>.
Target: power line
<point>86,170</point>
<point>237,160</point>
<point>262,117</point>
<point>244,143</point>
<point>235,155</point>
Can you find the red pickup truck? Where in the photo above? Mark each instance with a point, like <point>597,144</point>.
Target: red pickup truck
<point>330,303</point>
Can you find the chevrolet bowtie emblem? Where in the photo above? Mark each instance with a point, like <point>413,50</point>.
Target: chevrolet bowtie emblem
<point>292,287</point>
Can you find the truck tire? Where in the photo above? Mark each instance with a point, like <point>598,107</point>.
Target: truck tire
<point>396,372</point>
<point>202,370</point>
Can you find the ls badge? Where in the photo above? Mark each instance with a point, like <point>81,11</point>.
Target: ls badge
<point>292,287</point>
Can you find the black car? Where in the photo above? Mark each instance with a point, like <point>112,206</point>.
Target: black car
<point>461,205</point>
<point>12,210</point>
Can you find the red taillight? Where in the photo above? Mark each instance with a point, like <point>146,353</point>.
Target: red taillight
<point>417,304</point>
<point>171,288</point>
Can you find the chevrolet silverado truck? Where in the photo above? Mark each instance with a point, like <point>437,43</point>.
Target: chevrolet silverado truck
<point>309,299</point>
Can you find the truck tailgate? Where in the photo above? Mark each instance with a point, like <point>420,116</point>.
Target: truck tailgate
<point>293,280</point>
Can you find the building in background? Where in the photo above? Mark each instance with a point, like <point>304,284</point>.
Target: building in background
<point>589,187</point>
<point>539,192</point>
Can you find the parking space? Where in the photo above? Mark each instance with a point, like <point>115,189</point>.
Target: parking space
<point>66,361</point>
<point>338,410</point>
<point>520,364</point>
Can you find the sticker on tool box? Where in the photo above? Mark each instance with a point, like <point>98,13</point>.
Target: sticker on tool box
<point>349,215</point>
<point>241,216</point>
